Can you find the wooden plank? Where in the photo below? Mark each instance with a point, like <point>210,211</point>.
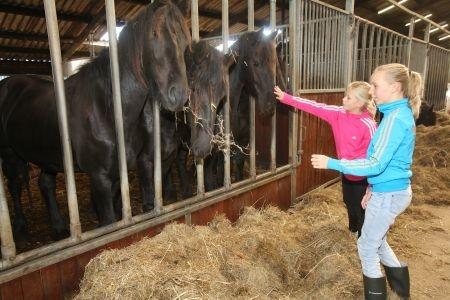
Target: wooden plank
<point>205,215</point>
<point>32,287</point>
<point>284,192</point>
<point>12,290</point>
<point>70,276</point>
<point>51,281</point>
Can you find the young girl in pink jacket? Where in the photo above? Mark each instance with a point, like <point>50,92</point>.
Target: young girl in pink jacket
<point>353,126</point>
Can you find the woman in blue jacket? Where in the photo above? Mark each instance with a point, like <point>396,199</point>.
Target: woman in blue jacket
<point>396,91</point>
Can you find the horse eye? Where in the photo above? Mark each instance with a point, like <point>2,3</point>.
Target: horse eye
<point>154,33</point>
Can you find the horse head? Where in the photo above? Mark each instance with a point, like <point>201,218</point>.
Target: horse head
<point>208,80</point>
<point>155,42</point>
<point>257,55</point>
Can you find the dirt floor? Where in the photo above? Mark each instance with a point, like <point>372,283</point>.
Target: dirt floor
<point>304,253</point>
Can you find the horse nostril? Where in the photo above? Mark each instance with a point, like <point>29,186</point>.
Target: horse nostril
<point>172,94</point>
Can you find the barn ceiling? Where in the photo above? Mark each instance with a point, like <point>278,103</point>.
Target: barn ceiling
<point>23,37</point>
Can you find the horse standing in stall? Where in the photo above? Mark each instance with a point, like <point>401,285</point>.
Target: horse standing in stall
<point>207,71</point>
<point>151,60</point>
<point>254,74</point>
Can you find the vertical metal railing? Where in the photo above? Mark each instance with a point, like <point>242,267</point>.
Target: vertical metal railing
<point>251,27</point>
<point>294,21</point>
<point>8,247</point>
<point>227,174</point>
<point>195,38</point>
<point>273,136</point>
<point>58,81</point>
<point>118,119</point>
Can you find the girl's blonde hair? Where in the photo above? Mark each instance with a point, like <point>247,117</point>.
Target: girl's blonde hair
<point>360,89</point>
<point>411,83</point>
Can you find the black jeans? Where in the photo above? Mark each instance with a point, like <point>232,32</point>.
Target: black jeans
<point>353,192</point>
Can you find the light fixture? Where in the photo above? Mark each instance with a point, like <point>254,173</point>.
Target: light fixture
<point>418,20</point>
<point>390,7</point>
<point>436,29</point>
<point>444,37</point>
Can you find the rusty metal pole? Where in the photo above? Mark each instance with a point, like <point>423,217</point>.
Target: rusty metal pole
<point>273,137</point>
<point>251,27</point>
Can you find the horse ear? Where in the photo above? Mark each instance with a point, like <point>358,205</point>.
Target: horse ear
<point>184,6</point>
<point>273,35</point>
<point>228,60</point>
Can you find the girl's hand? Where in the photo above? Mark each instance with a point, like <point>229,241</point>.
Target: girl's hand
<point>278,93</point>
<point>319,161</point>
<point>366,198</point>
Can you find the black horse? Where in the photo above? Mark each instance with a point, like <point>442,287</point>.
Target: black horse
<point>151,60</point>
<point>252,74</point>
<point>207,71</point>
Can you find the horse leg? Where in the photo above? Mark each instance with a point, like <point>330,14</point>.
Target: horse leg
<point>169,191</point>
<point>117,199</point>
<point>208,173</point>
<point>47,186</point>
<point>102,186</point>
<point>11,167</point>
<point>185,182</point>
<point>145,173</point>
<point>220,169</point>
<point>239,160</point>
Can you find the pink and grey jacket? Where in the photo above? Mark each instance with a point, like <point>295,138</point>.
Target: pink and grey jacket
<point>352,133</point>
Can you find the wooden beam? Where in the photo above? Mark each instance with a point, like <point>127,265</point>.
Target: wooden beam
<point>38,11</point>
<point>24,36</point>
<point>37,51</point>
<point>21,67</point>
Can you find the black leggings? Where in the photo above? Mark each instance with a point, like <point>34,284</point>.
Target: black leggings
<point>353,192</point>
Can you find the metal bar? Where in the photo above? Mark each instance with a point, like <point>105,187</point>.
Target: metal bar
<point>320,91</point>
<point>308,45</point>
<point>377,49</point>
<point>227,164</point>
<point>401,48</point>
<point>293,30</point>
<point>328,50</point>
<point>316,46</point>
<point>384,50</point>
<point>410,36</point>
<point>322,34</point>
<point>58,81</point>
<point>371,38</point>
<point>251,26</point>
<point>395,52</point>
<point>273,136</point>
<point>158,202</point>
<point>333,50</point>
<point>379,26</point>
<point>425,67</point>
<point>343,50</point>
<point>355,51</point>
<point>118,119</point>
<point>7,241</point>
<point>350,42</point>
<point>363,51</point>
<point>389,57</point>
<point>195,38</point>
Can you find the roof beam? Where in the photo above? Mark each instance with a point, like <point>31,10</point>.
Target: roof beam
<point>24,36</point>
<point>37,51</point>
<point>38,11</point>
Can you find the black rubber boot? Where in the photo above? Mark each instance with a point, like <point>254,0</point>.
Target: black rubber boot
<point>398,278</point>
<point>375,288</point>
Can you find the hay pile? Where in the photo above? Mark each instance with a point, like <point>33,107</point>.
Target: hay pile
<point>267,253</point>
<point>306,252</point>
<point>431,166</point>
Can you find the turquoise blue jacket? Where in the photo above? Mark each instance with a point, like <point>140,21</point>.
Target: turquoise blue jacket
<point>390,152</point>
